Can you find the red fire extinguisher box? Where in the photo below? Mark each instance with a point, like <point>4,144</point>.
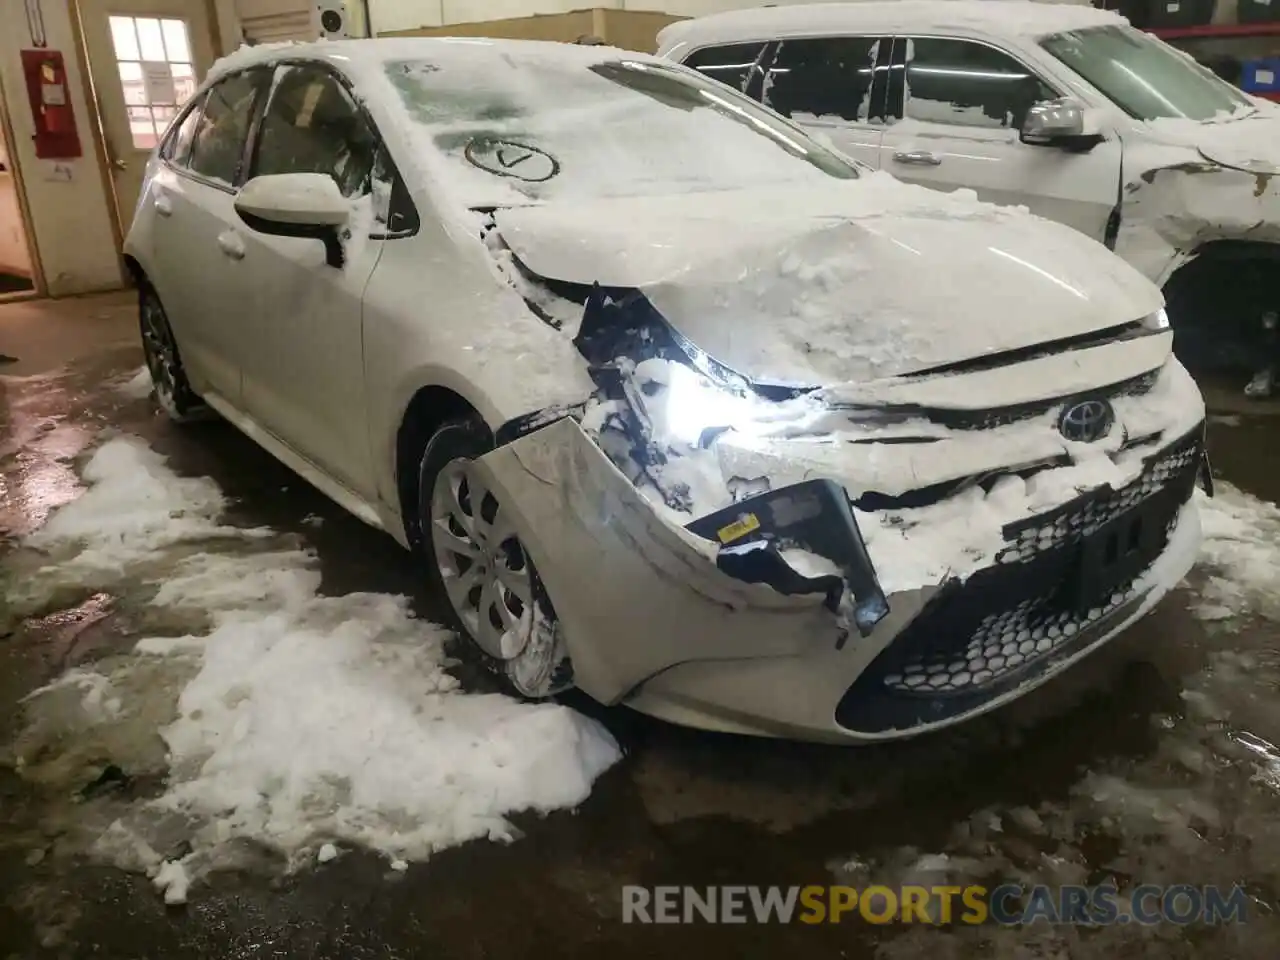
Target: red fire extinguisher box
<point>50,98</point>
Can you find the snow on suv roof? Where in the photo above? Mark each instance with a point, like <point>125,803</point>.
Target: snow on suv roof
<point>1009,18</point>
<point>353,56</point>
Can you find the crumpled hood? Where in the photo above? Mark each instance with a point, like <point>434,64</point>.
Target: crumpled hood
<point>1250,143</point>
<point>864,280</point>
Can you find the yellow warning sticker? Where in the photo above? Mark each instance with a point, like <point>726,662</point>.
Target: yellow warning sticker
<point>739,528</point>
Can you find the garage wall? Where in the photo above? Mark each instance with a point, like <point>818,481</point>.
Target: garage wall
<point>405,14</point>
<point>267,21</point>
<point>629,29</point>
<point>67,198</point>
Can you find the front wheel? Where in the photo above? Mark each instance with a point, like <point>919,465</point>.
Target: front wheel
<point>172,390</point>
<point>475,560</point>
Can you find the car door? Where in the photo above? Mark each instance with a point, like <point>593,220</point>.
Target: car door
<point>197,266</point>
<point>956,107</point>
<point>304,374</point>
<point>834,87</point>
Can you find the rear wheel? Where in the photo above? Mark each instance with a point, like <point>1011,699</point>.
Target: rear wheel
<point>476,562</point>
<point>169,381</point>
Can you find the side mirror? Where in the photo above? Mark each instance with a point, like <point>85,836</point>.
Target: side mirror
<point>1053,120</point>
<point>307,205</point>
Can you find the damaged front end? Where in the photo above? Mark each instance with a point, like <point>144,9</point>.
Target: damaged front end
<point>848,563</point>
<point>633,355</point>
<point>1207,230</point>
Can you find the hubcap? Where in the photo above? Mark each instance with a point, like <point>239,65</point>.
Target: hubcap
<point>157,347</point>
<point>484,568</point>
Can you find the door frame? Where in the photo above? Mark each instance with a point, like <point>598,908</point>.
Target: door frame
<point>98,134</point>
<point>97,127</point>
<point>24,209</point>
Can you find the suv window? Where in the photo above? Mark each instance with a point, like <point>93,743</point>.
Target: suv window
<point>1145,77</point>
<point>825,77</point>
<point>217,145</point>
<point>313,126</point>
<point>729,64</point>
<point>968,84</point>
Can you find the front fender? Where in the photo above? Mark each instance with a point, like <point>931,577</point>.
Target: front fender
<point>1170,212</point>
<point>635,593</point>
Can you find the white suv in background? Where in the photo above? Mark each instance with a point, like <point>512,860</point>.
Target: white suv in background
<point>1059,107</point>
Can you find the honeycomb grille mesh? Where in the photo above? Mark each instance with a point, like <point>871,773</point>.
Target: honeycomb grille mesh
<point>1002,643</point>
<point>1014,615</point>
<point>1075,521</point>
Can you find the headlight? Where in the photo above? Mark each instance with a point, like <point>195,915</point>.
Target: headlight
<point>695,404</point>
<point>677,403</point>
<point>1158,320</point>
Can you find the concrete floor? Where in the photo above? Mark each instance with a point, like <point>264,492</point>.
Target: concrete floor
<point>1118,769</point>
<point>47,334</point>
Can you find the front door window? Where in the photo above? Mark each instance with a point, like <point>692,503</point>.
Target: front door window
<point>967,84</point>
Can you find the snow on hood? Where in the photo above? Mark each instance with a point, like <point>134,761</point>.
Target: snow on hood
<point>860,280</point>
<point>1248,141</point>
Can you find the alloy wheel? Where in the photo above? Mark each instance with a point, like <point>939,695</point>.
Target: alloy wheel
<point>483,566</point>
<point>159,350</point>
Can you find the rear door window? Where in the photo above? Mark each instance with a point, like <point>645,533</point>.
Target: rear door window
<point>733,63</point>
<point>830,78</point>
<point>217,145</point>
<point>967,84</point>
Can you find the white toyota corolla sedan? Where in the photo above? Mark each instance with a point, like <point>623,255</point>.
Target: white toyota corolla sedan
<point>675,404</point>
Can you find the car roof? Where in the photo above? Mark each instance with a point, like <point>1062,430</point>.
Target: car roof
<point>1002,18</point>
<point>356,56</point>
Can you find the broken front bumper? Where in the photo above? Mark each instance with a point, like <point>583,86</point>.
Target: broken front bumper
<point>651,621</point>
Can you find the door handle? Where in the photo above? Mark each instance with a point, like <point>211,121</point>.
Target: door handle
<point>164,206</point>
<point>116,160</point>
<point>919,157</point>
<point>231,244</point>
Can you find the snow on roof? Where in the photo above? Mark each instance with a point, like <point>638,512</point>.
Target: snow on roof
<point>353,55</point>
<point>1007,18</point>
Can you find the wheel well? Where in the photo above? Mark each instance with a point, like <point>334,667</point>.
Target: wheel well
<point>1216,303</point>
<point>429,410</point>
<point>136,273</point>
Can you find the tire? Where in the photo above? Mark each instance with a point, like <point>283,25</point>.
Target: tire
<point>476,564</point>
<point>169,381</point>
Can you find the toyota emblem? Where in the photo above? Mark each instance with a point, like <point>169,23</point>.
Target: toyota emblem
<point>1086,421</point>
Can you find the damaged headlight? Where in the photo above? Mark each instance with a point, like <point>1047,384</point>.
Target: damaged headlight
<point>696,408</point>
<point>678,404</point>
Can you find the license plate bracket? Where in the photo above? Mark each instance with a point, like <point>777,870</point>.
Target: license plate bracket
<point>1114,554</point>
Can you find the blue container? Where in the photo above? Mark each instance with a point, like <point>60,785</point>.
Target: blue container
<point>1260,76</point>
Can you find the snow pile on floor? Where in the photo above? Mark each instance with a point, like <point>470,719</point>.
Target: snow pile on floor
<point>135,507</point>
<point>302,721</point>
<point>1241,555</point>
<point>137,387</point>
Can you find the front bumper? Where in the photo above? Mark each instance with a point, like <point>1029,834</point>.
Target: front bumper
<point>650,621</point>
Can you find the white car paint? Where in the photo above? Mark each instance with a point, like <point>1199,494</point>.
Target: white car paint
<point>1141,168</point>
<point>873,295</point>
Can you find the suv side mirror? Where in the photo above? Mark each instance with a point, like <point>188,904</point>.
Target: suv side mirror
<point>1059,123</point>
<point>307,205</point>
<point>1051,120</point>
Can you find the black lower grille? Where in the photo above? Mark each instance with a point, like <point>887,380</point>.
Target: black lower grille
<point>1063,573</point>
<point>1072,522</point>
